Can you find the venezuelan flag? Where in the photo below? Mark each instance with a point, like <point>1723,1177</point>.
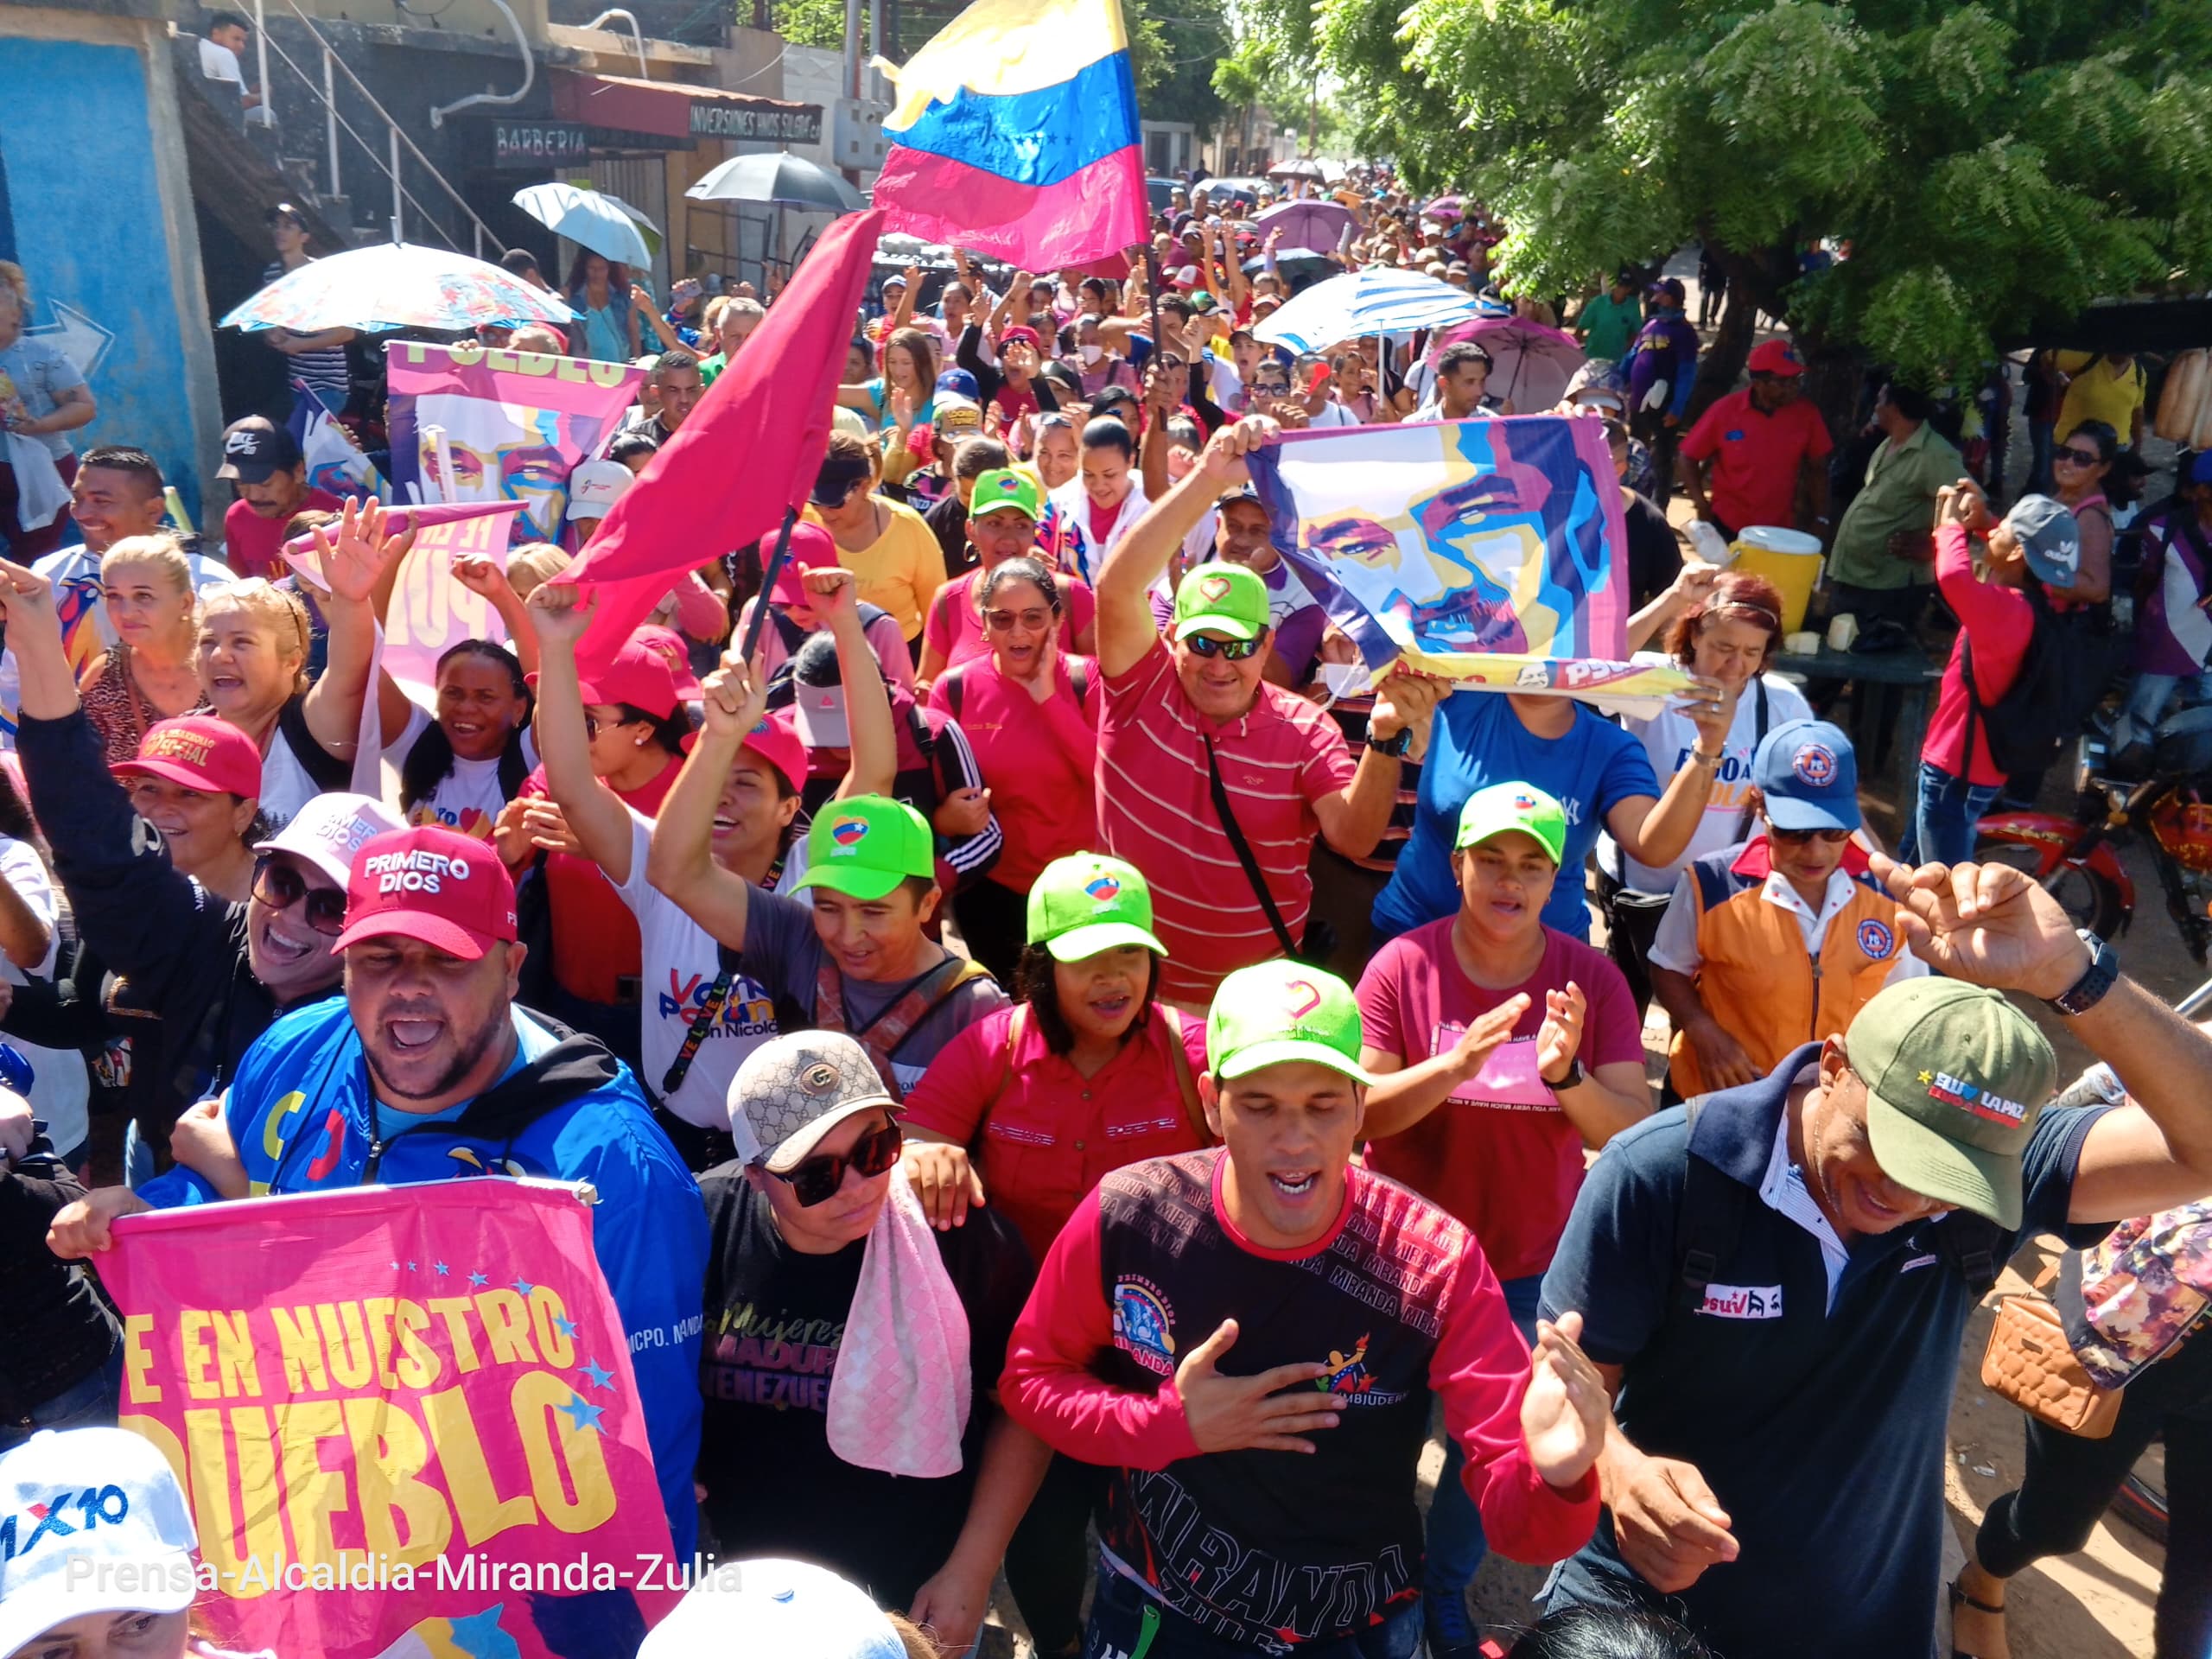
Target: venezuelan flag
<point>1016,136</point>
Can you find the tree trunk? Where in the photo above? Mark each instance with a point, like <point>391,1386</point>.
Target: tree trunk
<point>1751,289</point>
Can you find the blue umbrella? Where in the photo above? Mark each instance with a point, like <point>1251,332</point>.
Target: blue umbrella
<point>606,225</point>
<point>1363,303</point>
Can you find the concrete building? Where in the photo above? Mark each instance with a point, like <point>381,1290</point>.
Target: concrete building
<point>97,206</point>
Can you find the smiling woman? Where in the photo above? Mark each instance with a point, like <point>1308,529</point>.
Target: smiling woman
<point>150,674</point>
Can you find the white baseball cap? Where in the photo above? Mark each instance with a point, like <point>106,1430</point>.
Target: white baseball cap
<point>100,1525</point>
<point>595,486</point>
<point>329,830</point>
<point>773,1607</point>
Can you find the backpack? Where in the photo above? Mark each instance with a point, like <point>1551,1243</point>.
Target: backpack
<point>2061,672</point>
<point>1711,1219</point>
<point>956,688</point>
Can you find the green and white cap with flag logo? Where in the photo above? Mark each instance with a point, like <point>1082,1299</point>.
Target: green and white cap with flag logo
<point>866,846</point>
<point>1086,903</point>
<point>1283,1013</point>
<point>1955,1078</point>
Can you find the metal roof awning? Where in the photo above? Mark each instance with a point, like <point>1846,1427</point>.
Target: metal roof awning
<point>671,108</point>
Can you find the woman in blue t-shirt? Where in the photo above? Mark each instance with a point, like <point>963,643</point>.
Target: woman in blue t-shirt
<point>1598,772</point>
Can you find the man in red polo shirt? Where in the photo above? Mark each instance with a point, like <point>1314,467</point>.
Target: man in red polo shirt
<point>1754,446</point>
<point>1189,723</point>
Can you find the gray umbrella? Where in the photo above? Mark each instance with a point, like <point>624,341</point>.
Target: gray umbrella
<point>787,180</point>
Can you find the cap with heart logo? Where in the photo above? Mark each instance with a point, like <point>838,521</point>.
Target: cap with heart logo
<point>1283,1013</point>
<point>1218,598</point>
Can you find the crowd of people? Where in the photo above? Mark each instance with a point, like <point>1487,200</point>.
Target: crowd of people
<point>1056,897</point>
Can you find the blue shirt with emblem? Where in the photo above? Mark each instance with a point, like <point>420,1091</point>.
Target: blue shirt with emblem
<point>303,1118</point>
<point>1812,1390</point>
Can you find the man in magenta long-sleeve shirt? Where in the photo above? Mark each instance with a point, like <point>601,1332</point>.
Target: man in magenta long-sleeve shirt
<point>1250,1336</point>
<point>2037,543</point>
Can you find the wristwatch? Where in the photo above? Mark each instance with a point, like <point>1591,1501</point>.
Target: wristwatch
<point>1574,1075</point>
<point>1394,747</point>
<point>2088,991</point>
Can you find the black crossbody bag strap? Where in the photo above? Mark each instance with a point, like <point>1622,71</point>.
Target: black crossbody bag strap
<point>1242,848</point>
<point>1759,736</point>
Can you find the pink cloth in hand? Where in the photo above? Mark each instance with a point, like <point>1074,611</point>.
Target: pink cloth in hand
<point>901,1394</point>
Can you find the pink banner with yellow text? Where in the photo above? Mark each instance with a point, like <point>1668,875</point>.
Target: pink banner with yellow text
<point>404,1419</point>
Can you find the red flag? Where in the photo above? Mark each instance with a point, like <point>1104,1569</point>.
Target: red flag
<point>746,455</point>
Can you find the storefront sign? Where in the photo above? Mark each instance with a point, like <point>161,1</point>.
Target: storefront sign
<point>539,143</point>
<point>778,123</point>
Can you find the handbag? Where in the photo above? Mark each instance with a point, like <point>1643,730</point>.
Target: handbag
<point>2030,1363</point>
<point>1320,938</point>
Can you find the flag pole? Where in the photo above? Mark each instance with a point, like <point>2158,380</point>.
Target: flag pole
<point>769,572</point>
<point>1152,292</point>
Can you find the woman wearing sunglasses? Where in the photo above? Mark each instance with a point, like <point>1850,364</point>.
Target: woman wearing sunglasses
<point>2094,478</point>
<point>1024,1112</point>
<point>192,973</point>
<point>1781,940</point>
<point>891,1486</point>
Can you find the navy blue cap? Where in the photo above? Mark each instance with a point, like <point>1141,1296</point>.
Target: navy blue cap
<point>1809,776</point>
<point>960,381</point>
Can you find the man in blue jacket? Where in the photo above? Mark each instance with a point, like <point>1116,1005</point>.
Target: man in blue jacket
<point>430,1072</point>
<point>1662,368</point>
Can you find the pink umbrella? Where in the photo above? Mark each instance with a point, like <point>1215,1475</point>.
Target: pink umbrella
<point>1306,223</point>
<point>1443,210</point>
<point>1529,362</point>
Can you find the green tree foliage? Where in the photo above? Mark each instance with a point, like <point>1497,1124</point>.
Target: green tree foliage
<point>1994,166</point>
<point>810,23</point>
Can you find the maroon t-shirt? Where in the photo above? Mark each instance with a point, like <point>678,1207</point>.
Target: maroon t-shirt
<point>1500,1154</point>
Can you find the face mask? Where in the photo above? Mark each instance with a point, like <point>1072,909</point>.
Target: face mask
<point>1093,352</point>
<point>1343,680</point>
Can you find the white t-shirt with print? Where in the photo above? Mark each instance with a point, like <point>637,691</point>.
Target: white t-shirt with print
<point>1668,737</point>
<point>468,798</point>
<point>681,960</point>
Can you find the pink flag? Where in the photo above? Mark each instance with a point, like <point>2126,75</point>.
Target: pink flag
<point>746,454</point>
<point>404,1419</point>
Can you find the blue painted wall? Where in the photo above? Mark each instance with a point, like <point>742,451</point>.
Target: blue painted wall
<point>80,210</point>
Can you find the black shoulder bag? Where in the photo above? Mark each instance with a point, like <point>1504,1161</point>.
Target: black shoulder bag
<point>1320,938</point>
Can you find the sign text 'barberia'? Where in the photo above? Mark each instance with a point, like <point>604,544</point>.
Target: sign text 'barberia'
<point>467,355</point>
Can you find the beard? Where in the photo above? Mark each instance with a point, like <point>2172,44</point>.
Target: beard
<point>468,1050</point>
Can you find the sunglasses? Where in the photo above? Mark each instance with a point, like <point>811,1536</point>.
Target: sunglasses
<point>1232,650</point>
<point>1272,388</point>
<point>2079,457</point>
<point>1799,837</point>
<point>280,887</point>
<point>815,1179</point>
<point>594,726</point>
<point>1007,621</point>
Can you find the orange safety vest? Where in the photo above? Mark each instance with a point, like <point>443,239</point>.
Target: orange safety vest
<point>1755,973</point>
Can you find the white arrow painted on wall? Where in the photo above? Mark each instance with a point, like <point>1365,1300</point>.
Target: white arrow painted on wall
<point>80,339</point>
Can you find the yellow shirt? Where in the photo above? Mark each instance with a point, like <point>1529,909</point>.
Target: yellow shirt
<point>901,570</point>
<point>2097,391</point>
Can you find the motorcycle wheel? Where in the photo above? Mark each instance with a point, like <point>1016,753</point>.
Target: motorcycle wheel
<point>2090,896</point>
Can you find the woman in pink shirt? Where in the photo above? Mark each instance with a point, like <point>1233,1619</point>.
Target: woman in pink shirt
<point>2035,554</point>
<point>1031,712</point>
<point>1029,1109</point>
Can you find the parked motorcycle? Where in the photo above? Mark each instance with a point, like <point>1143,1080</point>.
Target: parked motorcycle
<point>2076,860</point>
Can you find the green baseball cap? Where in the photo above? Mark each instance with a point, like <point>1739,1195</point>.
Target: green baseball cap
<point>1281,1012</point>
<point>1956,1078</point>
<point>866,845</point>
<point>1223,598</point>
<point>1002,487</point>
<point>1501,807</point>
<point>1086,903</point>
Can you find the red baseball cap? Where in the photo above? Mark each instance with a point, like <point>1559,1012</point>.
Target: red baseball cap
<point>448,890</point>
<point>641,675</point>
<point>812,548</point>
<point>776,741</point>
<point>199,752</point>
<point>1021,334</point>
<point>1775,357</point>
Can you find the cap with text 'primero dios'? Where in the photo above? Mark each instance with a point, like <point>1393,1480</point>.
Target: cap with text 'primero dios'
<point>866,845</point>
<point>1956,1078</point>
<point>1283,1013</point>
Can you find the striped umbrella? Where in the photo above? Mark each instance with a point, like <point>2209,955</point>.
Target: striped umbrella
<point>1363,303</point>
<point>397,285</point>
